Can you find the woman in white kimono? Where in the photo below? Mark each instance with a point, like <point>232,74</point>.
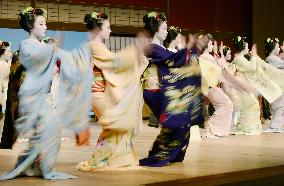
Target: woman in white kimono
<point>117,98</point>
<point>39,120</point>
<point>272,49</point>
<point>5,63</point>
<point>266,79</point>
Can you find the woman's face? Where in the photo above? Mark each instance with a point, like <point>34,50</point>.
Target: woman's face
<point>162,32</point>
<point>105,30</point>
<point>276,49</point>
<point>7,55</point>
<point>228,56</point>
<point>210,46</point>
<point>39,28</point>
<point>246,49</point>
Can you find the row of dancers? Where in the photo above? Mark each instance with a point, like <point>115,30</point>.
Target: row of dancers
<point>172,79</point>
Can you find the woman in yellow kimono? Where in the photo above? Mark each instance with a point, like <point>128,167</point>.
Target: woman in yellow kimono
<point>264,78</point>
<point>219,124</point>
<point>117,98</point>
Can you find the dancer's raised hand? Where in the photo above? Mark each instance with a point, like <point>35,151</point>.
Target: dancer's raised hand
<point>192,38</point>
<point>253,51</point>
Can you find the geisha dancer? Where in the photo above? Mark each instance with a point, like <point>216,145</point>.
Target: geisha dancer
<point>219,124</point>
<point>5,63</point>
<point>266,79</point>
<point>272,50</point>
<point>170,93</point>
<point>39,121</point>
<point>174,42</point>
<point>117,98</point>
<point>16,78</point>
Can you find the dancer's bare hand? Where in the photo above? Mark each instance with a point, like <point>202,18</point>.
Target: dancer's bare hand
<point>141,41</point>
<point>282,46</point>
<point>253,51</point>
<point>192,38</point>
<point>215,47</point>
<point>97,88</point>
<point>59,39</point>
<point>221,47</point>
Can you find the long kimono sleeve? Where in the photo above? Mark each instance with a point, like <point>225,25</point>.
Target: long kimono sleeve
<point>74,89</point>
<point>243,65</point>
<point>37,60</point>
<point>115,66</point>
<point>275,74</point>
<point>163,57</point>
<point>275,62</point>
<point>210,75</point>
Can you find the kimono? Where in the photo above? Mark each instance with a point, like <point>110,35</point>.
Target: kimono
<point>275,61</point>
<point>178,100</point>
<point>268,81</point>
<point>220,122</point>
<point>39,120</point>
<point>249,122</point>
<point>4,79</point>
<point>118,108</point>
<point>16,78</point>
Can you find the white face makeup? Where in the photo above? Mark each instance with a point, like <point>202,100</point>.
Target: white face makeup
<point>210,46</point>
<point>39,28</point>
<point>162,32</point>
<point>246,50</point>
<point>276,50</point>
<point>228,56</point>
<point>105,30</point>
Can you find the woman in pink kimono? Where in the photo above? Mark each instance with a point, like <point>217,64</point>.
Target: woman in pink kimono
<point>219,124</point>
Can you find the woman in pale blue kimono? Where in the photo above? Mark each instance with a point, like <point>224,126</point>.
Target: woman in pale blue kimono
<point>272,50</point>
<point>39,120</point>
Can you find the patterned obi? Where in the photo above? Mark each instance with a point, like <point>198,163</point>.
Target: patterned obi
<point>99,78</point>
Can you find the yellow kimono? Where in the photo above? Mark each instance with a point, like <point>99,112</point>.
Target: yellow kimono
<point>118,107</point>
<point>262,76</point>
<point>210,72</point>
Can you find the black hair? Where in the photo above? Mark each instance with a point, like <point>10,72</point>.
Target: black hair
<point>27,17</point>
<point>172,35</point>
<point>269,45</point>
<point>95,20</point>
<point>15,57</point>
<point>4,45</point>
<point>152,22</point>
<point>203,41</point>
<point>247,56</point>
<point>239,43</point>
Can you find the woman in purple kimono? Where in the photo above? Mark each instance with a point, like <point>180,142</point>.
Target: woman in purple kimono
<point>172,89</point>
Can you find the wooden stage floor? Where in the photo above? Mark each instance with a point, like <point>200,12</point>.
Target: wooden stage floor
<point>235,160</point>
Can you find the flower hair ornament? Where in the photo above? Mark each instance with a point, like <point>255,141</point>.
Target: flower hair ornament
<point>33,11</point>
<point>97,16</point>
<point>272,40</point>
<point>177,29</point>
<point>156,16</point>
<point>239,39</point>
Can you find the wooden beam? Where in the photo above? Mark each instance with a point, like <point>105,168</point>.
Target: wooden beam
<point>80,27</point>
